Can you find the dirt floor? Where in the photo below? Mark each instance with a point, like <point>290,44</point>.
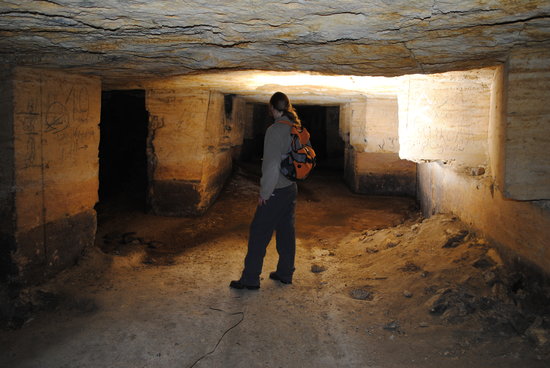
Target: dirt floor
<point>376,285</point>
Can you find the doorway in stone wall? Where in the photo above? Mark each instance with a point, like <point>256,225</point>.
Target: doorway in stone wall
<point>323,124</point>
<point>122,150</point>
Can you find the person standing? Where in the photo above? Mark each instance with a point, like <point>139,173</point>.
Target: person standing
<point>276,203</point>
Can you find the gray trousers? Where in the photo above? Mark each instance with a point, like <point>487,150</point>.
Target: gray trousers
<point>278,214</point>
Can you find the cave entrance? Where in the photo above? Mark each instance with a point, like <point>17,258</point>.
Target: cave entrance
<point>122,150</point>
<point>321,121</point>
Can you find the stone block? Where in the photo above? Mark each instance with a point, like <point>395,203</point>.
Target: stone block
<point>527,125</point>
<point>55,138</point>
<point>382,124</point>
<point>445,117</point>
<point>189,148</point>
<point>47,249</point>
<point>175,197</point>
<point>382,174</point>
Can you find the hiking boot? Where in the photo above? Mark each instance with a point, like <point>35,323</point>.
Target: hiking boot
<point>237,284</point>
<point>274,276</point>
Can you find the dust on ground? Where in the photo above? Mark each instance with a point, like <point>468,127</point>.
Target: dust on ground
<point>376,285</point>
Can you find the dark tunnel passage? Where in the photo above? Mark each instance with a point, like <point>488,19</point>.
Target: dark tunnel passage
<point>321,121</point>
<point>122,149</point>
<point>323,124</point>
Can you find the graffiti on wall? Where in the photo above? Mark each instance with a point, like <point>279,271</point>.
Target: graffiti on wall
<point>57,120</point>
<point>31,130</point>
<point>446,125</point>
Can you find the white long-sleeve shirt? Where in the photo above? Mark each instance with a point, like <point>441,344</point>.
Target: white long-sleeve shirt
<point>276,146</point>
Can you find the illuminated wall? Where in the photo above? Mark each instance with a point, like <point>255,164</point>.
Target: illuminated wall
<point>513,151</point>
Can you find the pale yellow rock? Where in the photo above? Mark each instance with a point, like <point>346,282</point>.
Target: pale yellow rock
<point>527,125</point>
<point>132,39</point>
<point>56,139</point>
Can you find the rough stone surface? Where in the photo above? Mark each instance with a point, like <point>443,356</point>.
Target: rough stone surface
<point>174,197</point>
<point>136,38</point>
<point>56,132</point>
<point>445,117</point>
<point>189,148</point>
<point>55,144</point>
<point>383,174</point>
<point>382,125</point>
<point>520,228</point>
<point>62,240</point>
<point>527,168</point>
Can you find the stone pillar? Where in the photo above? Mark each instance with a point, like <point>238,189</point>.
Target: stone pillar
<point>189,150</point>
<point>236,126</point>
<point>52,164</point>
<point>516,116</point>
<point>527,125</point>
<point>373,165</point>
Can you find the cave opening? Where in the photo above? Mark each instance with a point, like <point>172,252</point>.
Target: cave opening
<point>122,150</point>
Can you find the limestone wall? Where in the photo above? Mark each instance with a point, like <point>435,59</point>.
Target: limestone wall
<point>216,150</point>
<point>373,165</point>
<point>517,155</point>
<point>527,125</point>
<point>496,138</point>
<point>356,124</point>
<point>188,151</point>
<point>445,117</point>
<point>56,138</point>
<point>381,129</point>
<point>521,229</point>
<point>236,125</point>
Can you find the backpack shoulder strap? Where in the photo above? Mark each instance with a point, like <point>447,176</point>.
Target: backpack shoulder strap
<point>297,130</point>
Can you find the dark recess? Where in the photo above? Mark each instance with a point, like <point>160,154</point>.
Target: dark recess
<point>7,267</point>
<point>323,124</point>
<point>122,149</point>
<point>228,105</point>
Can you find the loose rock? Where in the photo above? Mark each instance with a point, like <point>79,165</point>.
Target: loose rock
<point>409,267</point>
<point>484,263</point>
<point>391,243</point>
<point>456,240</point>
<point>391,326</point>
<point>317,269</point>
<point>361,294</point>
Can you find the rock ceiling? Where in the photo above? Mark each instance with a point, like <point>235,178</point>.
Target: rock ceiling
<point>133,39</point>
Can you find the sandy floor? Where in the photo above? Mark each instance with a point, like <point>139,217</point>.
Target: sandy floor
<point>374,287</point>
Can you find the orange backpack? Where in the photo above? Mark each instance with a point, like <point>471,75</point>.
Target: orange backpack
<point>300,159</point>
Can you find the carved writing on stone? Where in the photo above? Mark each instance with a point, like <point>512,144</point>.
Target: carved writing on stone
<point>57,120</point>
